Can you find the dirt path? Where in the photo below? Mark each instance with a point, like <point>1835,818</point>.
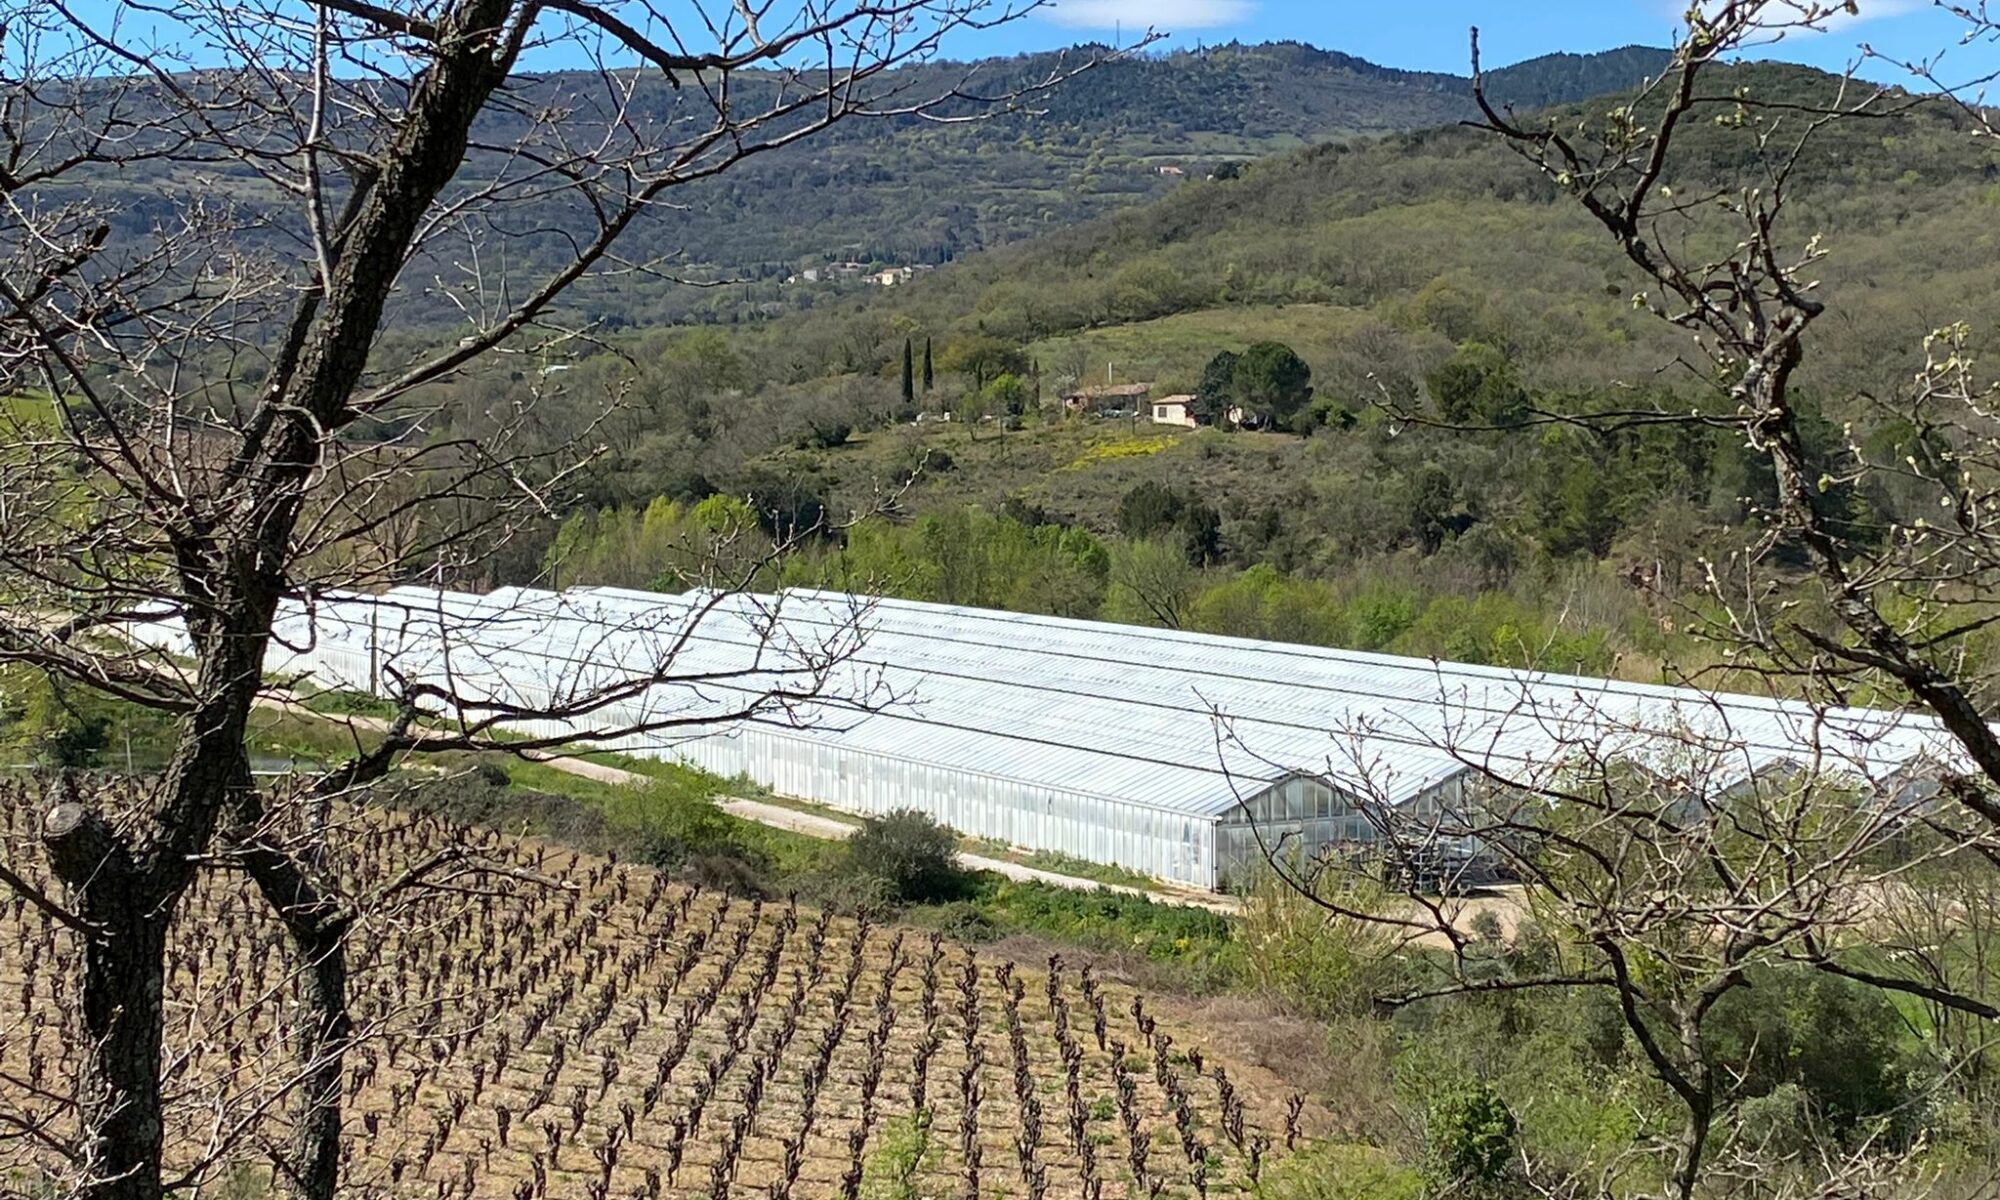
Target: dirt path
<point>810,824</point>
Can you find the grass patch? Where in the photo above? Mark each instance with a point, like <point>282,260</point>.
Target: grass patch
<point>27,410</point>
<point>1199,948</point>
<point>338,703</point>
<point>1341,1172</point>
<point>1062,864</point>
<point>891,1172</point>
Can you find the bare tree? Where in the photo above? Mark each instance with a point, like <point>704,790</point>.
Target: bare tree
<point>1752,308</point>
<point>1664,861</point>
<point>208,424</point>
<point>1662,858</point>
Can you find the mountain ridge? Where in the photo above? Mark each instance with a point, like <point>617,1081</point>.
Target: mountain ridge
<point>903,190</point>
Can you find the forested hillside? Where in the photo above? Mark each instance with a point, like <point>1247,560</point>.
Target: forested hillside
<point>1427,271</point>
<point>907,190</point>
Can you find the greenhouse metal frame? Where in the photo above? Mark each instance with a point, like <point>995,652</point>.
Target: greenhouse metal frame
<point>1184,756</point>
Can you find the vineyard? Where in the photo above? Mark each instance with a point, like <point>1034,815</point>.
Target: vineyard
<point>538,1024</point>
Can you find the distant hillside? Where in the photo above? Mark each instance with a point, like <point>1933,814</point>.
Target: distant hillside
<point>1374,259</point>
<point>1417,240</point>
<point>918,192</point>
<point>912,191</point>
<point>1379,261</point>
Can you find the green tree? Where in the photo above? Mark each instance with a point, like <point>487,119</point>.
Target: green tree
<point>929,378</point>
<point>1007,394</point>
<point>61,726</point>
<point>1155,510</point>
<point>788,509</point>
<point>1477,385</point>
<point>909,375</point>
<point>1216,392</point>
<point>982,357</point>
<point>1201,533</point>
<point>1152,583</point>
<point>971,410</point>
<point>1272,383</point>
<point>1149,508</point>
<point>1834,1039</point>
<point>1469,1136</point>
<point>1434,507</point>
<point>1574,506</point>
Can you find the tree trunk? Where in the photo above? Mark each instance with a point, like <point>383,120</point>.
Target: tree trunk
<point>316,926</point>
<point>124,983</point>
<point>325,1027</point>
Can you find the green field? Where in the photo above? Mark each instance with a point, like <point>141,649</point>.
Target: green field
<point>1171,351</point>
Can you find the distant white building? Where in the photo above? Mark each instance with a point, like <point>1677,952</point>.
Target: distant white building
<point>1175,410</point>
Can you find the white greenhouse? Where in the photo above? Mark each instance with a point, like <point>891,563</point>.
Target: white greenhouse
<point>1174,754</point>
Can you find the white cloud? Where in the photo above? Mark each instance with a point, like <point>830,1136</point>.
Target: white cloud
<point>1172,15</point>
<point>1874,10</point>
<point>1835,17</point>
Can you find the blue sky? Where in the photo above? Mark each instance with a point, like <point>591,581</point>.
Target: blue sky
<point>1412,34</point>
<point>1431,34</point>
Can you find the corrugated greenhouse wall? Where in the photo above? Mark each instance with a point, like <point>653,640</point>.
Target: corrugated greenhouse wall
<point>1179,847</point>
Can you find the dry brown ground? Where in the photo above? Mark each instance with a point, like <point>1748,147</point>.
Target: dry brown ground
<point>639,1039</point>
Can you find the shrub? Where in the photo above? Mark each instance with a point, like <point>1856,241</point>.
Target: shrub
<point>824,435</point>
<point>491,773</point>
<point>59,725</point>
<point>1469,1138</point>
<point>1833,1040</point>
<point>1340,1172</point>
<point>1322,964</point>
<point>913,854</point>
<point>850,893</point>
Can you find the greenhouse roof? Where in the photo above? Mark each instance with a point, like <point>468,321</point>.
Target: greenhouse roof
<point>1184,722</point>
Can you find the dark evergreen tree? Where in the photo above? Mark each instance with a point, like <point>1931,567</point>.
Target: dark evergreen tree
<point>928,378</point>
<point>909,375</point>
<point>1213,397</point>
<point>1477,386</point>
<point>1272,383</point>
<point>1149,509</point>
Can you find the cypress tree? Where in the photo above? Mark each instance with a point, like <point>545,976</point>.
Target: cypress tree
<point>909,380</point>
<point>927,366</point>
